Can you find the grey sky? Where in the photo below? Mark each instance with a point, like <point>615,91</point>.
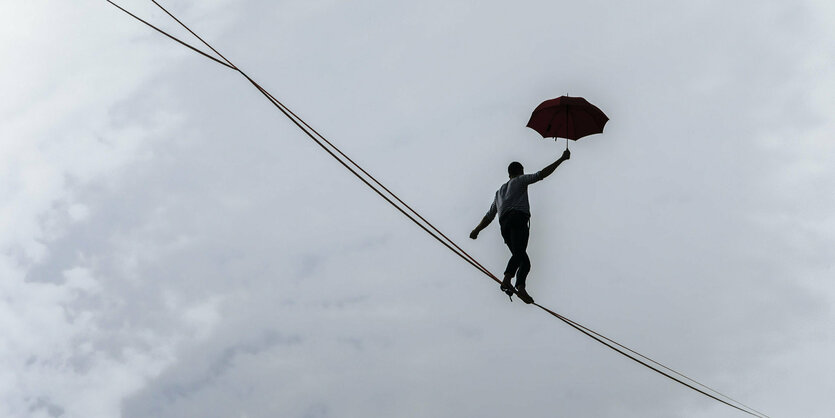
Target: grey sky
<point>172,246</point>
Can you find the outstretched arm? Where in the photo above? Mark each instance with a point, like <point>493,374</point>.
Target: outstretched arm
<point>545,172</point>
<point>483,224</point>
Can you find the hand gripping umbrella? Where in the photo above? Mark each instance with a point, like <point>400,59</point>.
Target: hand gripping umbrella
<point>567,117</point>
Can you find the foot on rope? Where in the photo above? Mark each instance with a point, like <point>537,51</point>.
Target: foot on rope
<point>507,288</point>
<point>520,291</point>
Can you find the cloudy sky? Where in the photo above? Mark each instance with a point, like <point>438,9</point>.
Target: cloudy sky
<point>171,246</point>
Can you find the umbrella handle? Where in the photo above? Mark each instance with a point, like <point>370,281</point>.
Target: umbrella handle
<point>566,143</point>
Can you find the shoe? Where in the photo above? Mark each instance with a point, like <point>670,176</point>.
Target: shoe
<point>507,288</point>
<point>520,291</point>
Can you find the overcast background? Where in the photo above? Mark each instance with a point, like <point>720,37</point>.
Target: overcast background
<point>171,246</point>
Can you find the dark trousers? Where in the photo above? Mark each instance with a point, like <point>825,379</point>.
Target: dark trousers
<point>515,231</point>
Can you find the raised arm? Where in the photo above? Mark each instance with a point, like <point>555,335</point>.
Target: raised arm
<point>545,172</point>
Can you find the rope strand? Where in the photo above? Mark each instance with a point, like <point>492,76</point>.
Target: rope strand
<point>308,129</point>
<point>323,138</point>
<point>172,37</point>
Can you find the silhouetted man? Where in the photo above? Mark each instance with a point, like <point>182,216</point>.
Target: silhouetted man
<point>511,203</point>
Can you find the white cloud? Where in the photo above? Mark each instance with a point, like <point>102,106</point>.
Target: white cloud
<point>173,247</point>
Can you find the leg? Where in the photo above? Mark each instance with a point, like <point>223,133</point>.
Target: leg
<point>515,232</point>
<point>519,246</point>
<point>522,273</point>
<point>507,226</point>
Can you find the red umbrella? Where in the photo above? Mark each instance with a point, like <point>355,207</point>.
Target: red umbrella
<point>567,117</point>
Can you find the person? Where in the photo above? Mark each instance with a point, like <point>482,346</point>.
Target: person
<point>511,204</point>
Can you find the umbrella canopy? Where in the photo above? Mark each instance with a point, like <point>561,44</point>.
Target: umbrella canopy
<point>567,117</point>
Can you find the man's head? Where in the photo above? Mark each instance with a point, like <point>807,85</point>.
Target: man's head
<point>515,169</point>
